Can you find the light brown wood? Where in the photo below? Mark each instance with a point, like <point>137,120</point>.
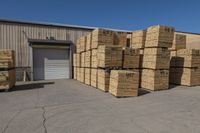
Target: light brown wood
<point>124,83</point>
<point>103,80</point>
<point>138,39</point>
<point>159,36</point>
<point>155,79</point>
<point>185,76</point>
<point>94,77</point>
<point>131,58</point>
<point>109,56</point>
<point>7,79</point>
<point>88,76</point>
<point>156,58</point>
<point>179,42</point>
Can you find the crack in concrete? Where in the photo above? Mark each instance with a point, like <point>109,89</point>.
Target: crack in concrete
<point>44,120</point>
<point>9,122</point>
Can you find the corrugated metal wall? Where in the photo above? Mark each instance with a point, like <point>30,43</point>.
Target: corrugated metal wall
<point>15,36</point>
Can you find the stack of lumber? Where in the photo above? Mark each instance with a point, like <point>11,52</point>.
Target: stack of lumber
<point>159,36</point>
<point>99,52</point>
<point>185,67</point>
<point>103,79</point>
<point>124,83</point>
<point>138,39</point>
<point>109,56</point>
<point>131,58</point>
<point>7,69</point>
<point>179,42</point>
<point>156,58</point>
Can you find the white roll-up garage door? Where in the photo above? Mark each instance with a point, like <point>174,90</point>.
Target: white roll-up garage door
<point>50,64</point>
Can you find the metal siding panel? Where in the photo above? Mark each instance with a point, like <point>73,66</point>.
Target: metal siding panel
<point>12,37</point>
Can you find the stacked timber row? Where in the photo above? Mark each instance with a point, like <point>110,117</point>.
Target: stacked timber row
<point>156,58</point>
<point>185,67</point>
<point>103,54</point>
<point>138,39</point>
<point>7,69</point>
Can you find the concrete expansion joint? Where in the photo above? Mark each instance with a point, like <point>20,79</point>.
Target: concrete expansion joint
<point>44,119</point>
<point>10,121</point>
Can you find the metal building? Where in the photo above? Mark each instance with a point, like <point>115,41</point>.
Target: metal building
<point>44,50</point>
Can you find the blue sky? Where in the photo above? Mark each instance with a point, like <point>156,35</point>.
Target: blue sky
<point>118,14</point>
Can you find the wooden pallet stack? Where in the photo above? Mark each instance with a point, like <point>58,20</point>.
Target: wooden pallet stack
<point>156,59</point>
<point>185,67</point>
<point>7,69</point>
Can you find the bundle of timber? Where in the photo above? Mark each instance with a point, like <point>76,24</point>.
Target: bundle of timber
<point>75,73</point>
<point>94,59</point>
<point>77,60</point>
<point>83,43</point>
<point>185,76</point>
<point>179,42</point>
<point>120,39</point>
<point>138,39</point>
<point>103,80</point>
<point>88,57</point>
<point>89,42</point>
<point>131,58</point>
<point>102,37</point>
<point>82,74</point>
<point>185,67</point>
<point>87,76</point>
<point>7,69</point>
<point>155,79</point>
<point>159,36</point>
<point>7,79</point>
<point>124,83</point>
<point>83,59</point>
<point>156,58</point>
<point>94,77</point>
<point>109,56</point>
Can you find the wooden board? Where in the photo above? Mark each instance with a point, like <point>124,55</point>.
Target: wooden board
<point>75,73</point>
<point>77,60</point>
<point>7,79</point>
<point>179,42</point>
<point>102,37</point>
<point>82,75</point>
<point>83,43</point>
<point>159,36</point>
<point>109,56</point>
<point>138,39</point>
<point>87,76</point>
<point>185,76</point>
<point>155,79</point>
<point>94,60</point>
<point>131,58</point>
<point>94,77</point>
<point>156,58</point>
<point>103,80</point>
<point>124,83</point>
<point>120,39</point>
<point>89,41</point>
<point>88,58</point>
<point>7,58</point>
<point>83,59</point>
<point>189,58</point>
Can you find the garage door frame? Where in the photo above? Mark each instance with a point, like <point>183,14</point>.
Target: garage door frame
<point>54,44</point>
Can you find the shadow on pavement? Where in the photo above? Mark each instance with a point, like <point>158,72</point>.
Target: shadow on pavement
<point>143,92</point>
<point>30,86</point>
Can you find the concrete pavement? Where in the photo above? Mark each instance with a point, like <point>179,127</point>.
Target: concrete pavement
<point>68,106</point>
